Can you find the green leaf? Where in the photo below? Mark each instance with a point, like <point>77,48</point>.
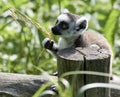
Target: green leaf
<point>112,2</point>
<point>96,85</point>
<point>111,25</point>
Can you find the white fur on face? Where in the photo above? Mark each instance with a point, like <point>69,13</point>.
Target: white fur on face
<point>64,17</point>
<point>72,26</point>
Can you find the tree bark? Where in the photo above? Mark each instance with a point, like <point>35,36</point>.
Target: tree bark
<point>85,59</point>
<point>21,85</point>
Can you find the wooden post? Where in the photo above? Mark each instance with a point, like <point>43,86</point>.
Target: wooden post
<point>71,60</point>
<point>85,59</point>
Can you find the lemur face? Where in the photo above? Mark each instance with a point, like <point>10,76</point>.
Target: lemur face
<point>68,25</point>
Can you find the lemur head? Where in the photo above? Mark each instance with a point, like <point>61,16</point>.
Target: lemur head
<point>69,25</point>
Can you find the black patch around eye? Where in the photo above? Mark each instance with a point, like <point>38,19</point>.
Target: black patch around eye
<point>83,24</point>
<point>64,25</point>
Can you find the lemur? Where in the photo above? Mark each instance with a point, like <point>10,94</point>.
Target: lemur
<point>72,31</point>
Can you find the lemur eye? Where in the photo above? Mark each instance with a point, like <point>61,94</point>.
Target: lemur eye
<point>64,25</point>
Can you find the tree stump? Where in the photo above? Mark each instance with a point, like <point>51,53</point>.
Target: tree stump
<point>85,59</point>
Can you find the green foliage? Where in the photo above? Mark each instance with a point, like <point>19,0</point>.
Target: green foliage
<point>64,89</point>
<point>24,27</point>
<point>61,86</point>
<point>21,49</point>
<point>110,30</point>
<point>41,91</point>
<point>21,31</point>
<point>96,85</point>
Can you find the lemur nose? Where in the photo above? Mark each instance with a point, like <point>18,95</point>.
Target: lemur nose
<point>55,31</point>
<point>52,28</point>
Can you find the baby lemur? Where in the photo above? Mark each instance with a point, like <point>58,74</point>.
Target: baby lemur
<point>72,31</point>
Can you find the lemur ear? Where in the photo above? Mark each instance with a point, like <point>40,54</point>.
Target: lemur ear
<point>65,11</point>
<point>81,24</point>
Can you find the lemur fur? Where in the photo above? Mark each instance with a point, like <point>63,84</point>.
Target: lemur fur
<point>72,31</point>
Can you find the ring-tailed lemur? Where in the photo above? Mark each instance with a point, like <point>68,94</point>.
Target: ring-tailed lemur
<point>72,31</point>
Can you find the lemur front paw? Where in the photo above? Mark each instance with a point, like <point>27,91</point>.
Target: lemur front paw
<point>48,44</point>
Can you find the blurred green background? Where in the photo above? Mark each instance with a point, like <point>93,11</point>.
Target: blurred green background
<point>20,41</point>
